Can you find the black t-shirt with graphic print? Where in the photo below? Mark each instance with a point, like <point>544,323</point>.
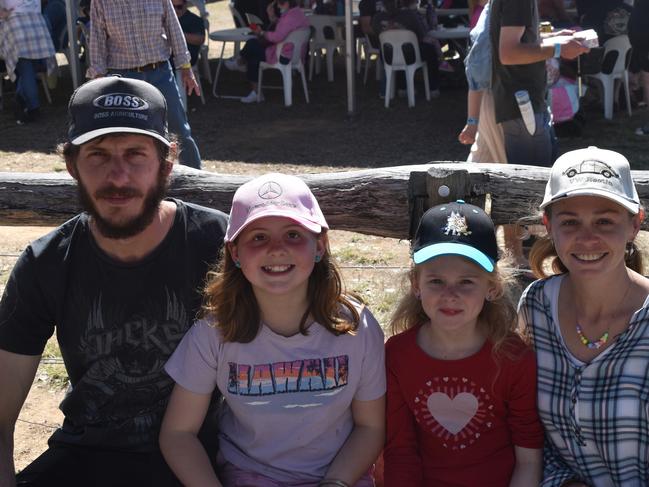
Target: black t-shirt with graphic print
<point>116,323</point>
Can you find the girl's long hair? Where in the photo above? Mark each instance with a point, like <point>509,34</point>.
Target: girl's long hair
<point>543,249</point>
<point>498,316</point>
<point>230,304</point>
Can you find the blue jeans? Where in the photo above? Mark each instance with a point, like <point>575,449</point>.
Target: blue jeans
<point>163,78</point>
<point>26,82</point>
<point>55,18</point>
<point>254,53</point>
<point>539,149</point>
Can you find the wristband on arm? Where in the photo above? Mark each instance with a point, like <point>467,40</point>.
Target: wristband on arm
<point>472,121</point>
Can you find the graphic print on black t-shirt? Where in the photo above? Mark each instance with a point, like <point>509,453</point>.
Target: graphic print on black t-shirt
<point>125,356</point>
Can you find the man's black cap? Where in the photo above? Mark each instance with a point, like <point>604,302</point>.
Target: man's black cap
<point>117,105</point>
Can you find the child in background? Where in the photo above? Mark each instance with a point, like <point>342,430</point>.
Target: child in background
<point>299,363</point>
<point>461,400</point>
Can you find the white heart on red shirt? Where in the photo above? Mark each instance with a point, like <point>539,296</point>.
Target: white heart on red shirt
<point>452,414</point>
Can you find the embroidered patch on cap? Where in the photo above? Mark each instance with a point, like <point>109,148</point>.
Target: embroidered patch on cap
<point>456,225</point>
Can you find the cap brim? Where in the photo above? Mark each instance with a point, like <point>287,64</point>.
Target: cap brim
<point>451,248</point>
<point>308,224</point>
<point>632,206</point>
<point>93,134</point>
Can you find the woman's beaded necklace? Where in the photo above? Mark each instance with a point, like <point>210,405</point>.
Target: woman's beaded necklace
<point>597,344</point>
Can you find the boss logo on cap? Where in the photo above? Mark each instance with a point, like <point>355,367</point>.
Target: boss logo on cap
<point>123,101</point>
<point>270,191</point>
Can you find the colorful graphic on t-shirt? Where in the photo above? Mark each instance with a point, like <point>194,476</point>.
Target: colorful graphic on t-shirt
<point>306,375</point>
<point>455,409</point>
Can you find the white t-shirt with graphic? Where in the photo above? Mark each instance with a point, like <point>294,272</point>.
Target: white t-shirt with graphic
<point>287,407</point>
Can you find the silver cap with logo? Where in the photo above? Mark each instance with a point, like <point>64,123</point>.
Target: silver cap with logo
<point>592,172</point>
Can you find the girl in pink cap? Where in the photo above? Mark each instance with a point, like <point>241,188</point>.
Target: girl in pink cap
<point>298,362</point>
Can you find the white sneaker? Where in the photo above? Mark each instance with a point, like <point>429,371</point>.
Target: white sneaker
<point>233,64</point>
<point>252,97</point>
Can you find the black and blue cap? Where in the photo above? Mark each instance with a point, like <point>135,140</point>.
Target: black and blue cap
<point>113,104</point>
<point>456,228</point>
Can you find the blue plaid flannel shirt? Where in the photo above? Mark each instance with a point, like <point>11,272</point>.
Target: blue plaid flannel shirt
<point>596,415</point>
<point>25,35</point>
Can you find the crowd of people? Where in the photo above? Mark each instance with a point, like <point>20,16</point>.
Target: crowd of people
<point>204,349</point>
<point>508,54</point>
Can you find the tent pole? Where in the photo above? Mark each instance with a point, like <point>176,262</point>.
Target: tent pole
<point>73,51</point>
<point>350,58</point>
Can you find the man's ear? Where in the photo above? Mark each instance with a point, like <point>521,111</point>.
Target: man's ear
<point>72,169</point>
<point>173,156</point>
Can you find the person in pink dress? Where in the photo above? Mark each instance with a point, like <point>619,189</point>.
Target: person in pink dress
<point>264,47</point>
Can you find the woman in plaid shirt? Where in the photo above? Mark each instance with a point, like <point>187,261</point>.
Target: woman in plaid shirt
<point>589,324</point>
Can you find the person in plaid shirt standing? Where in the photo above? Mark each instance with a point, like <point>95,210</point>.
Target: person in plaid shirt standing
<point>588,321</point>
<point>135,38</point>
<point>25,46</point>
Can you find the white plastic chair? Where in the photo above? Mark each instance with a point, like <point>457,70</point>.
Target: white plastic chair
<point>236,16</point>
<point>203,54</point>
<point>615,64</point>
<point>394,44</point>
<point>238,22</point>
<point>327,37</point>
<point>369,53</point>
<point>298,38</point>
<point>253,19</point>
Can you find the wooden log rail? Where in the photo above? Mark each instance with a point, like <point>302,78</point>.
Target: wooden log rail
<point>384,201</point>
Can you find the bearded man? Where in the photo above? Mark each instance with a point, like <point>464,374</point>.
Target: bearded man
<point>119,283</point>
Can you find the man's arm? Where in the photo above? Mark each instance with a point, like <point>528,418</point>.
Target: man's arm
<point>16,376</point>
<point>512,51</point>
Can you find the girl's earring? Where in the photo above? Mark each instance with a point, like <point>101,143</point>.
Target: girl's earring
<point>237,264</point>
<point>630,249</point>
<point>417,295</point>
<point>317,258</point>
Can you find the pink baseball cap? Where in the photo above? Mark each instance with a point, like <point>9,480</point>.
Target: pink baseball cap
<point>274,194</point>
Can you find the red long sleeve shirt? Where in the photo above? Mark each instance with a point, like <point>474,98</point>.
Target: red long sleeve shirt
<point>454,423</point>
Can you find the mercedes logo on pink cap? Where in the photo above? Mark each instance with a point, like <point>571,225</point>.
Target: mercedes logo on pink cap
<point>270,190</point>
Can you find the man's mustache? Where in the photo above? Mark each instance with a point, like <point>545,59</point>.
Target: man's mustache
<point>115,192</point>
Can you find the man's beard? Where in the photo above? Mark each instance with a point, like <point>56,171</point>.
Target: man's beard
<point>130,227</point>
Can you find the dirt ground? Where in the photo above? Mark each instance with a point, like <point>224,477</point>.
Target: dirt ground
<point>252,139</point>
